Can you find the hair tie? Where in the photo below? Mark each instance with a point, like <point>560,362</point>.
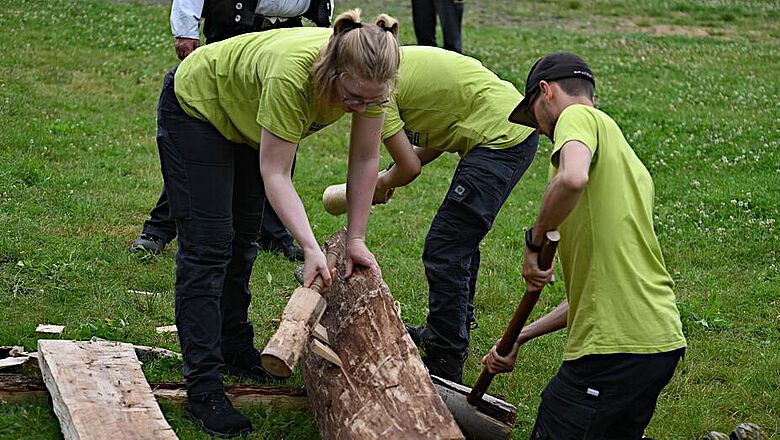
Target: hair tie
<point>348,26</point>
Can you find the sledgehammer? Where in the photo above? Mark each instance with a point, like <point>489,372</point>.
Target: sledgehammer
<point>504,346</point>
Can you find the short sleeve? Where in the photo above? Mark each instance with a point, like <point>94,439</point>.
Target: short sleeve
<point>283,109</point>
<point>576,123</point>
<point>393,122</point>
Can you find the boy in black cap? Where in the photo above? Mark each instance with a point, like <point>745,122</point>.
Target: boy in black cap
<point>624,332</point>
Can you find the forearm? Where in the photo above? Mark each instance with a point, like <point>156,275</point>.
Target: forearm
<point>566,188</point>
<point>427,155</point>
<point>553,321</point>
<point>288,206</point>
<point>406,166</point>
<point>361,174</point>
<point>558,202</point>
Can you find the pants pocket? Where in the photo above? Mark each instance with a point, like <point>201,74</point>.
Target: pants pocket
<point>566,412</point>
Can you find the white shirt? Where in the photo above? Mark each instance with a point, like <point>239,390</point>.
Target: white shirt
<point>185,14</point>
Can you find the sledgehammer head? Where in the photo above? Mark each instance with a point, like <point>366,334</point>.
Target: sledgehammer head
<point>492,419</point>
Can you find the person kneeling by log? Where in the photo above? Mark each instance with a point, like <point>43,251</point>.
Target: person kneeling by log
<point>625,336</point>
<point>449,102</point>
<point>261,91</point>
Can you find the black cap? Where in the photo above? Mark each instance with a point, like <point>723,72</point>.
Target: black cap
<point>552,67</point>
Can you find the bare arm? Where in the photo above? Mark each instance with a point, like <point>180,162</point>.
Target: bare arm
<point>553,321</point>
<point>409,161</point>
<point>559,200</point>
<point>361,181</point>
<point>276,157</point>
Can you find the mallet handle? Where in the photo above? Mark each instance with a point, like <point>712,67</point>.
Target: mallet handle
<point>527,303</point>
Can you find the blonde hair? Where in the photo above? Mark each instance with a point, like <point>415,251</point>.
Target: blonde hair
<point>364,51</point>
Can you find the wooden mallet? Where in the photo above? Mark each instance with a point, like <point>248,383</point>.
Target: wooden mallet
<point>300,321</point>
<point>334,199</point>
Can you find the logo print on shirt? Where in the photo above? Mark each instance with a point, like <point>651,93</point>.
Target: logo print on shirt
<point>414,137</point>
<point>315,126</point>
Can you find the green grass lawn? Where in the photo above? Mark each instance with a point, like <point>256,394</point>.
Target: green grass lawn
<point>693,84</point>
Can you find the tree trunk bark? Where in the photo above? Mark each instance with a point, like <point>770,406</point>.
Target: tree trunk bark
<point>383,390</point>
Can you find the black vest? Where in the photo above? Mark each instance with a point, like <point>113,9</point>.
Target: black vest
<point>227,18</point>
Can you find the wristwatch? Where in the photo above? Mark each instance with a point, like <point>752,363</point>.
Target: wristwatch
<point>529,241</point>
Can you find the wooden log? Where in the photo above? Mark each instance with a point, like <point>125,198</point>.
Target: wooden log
<point>383,389</point>
<point>98,391</point>
<point>16,387</point>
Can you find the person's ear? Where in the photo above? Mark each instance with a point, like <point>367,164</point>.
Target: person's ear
<point>546,90</point>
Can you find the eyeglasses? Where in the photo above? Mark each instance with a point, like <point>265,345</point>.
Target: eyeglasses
<point>366,102</point>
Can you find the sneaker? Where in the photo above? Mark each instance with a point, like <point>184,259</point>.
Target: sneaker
<point>247,365</point>
<point>147,243</point>
<point>446,364</point>
<point>214,414</point>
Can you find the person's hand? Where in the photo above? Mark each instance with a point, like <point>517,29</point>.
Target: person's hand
<point>314,264</point>
<point>359,255</point>
<point>535,278</point>
<point>185,46</point>
<point>496,363</point>
<point>382,195</point>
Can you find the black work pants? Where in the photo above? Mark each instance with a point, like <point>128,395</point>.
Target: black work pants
<point>215,197</point>
<point>606,396</point>
<point>481,184</point>
<point>450,14</point>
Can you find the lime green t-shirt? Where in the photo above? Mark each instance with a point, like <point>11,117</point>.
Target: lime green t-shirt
<point>258,80</point>
<point>450,102</point>
<point>620,294</point>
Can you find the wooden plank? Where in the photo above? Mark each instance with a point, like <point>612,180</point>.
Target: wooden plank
<point>99,391</point>
<point>16,387</point>
<point>383,389</point>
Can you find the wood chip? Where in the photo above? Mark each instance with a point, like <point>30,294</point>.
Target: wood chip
<point>143,292</point>
<point>167,329</point>
<point>50,329</point>
<point>13,361</point>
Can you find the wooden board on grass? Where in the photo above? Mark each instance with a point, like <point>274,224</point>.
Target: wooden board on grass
<point>99,391</point>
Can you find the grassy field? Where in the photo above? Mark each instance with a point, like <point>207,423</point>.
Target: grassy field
<point>693,84</point>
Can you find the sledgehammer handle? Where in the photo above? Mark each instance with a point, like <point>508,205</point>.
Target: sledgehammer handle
<point>504,346</point>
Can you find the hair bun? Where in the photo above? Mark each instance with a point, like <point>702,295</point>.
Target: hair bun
<point>387,23</point>
<point>347,21</point>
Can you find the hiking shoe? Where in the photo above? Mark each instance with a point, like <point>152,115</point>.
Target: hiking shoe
<point>446,364</point>
<point>147,243</point>
<point>214,414</point>
<point>247,365</point>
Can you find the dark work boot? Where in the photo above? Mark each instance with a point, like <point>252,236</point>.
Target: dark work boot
<point>446,364</point>
<point>214,414</point>
<point>415,333</point>
<point>288,249</point>
<point>147,243</point>
<point>247,365</point>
